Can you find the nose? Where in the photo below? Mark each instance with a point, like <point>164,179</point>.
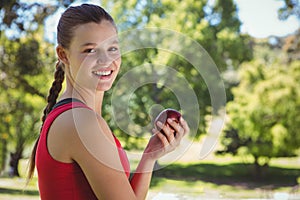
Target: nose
<point>104,59</point>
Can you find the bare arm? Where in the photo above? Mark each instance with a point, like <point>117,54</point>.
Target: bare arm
<point>90,143</point>
<point>158,146</point>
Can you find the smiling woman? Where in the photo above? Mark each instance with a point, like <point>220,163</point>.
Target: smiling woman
<point>77,156</point>
<point>95,58</point>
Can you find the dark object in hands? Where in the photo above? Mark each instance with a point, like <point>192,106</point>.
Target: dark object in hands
<point>164,115</point>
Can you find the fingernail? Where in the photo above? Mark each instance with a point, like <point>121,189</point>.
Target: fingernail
<point>159,124</point>
<point>170,120</point>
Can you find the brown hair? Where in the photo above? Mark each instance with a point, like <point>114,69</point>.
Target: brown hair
<point>70,19</point>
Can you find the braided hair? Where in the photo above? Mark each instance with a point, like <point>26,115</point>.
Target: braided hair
<point>54,91</point>
<point>70,19</point>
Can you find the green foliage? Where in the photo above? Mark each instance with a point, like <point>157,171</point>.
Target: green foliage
<point>290,7</point>
<point>265,111</point>
<point>263,116</point>
<point>215,26</point>
<point>19,17</point>
<point>25,75</point>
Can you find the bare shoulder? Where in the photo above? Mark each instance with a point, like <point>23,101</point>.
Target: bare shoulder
<point>77,130</point>
<point>85,138</point>
<point>90,130</point>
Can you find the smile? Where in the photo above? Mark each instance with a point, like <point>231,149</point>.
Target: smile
<point>102,73</point>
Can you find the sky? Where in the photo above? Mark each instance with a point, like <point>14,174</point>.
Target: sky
<point>259,19</point>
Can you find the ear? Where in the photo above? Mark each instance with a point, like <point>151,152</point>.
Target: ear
<point>62,54</point>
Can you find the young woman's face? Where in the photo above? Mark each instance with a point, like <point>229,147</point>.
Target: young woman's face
<point>94,56</point>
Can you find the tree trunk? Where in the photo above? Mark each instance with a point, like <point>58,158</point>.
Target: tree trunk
<point>18,154</point>
<point>3,154</point>
<point>14,164</point>
<point>4,146</point>
<point>257,169</point>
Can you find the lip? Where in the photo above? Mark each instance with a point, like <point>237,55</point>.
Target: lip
<point>103,69</point>
<point>102,73</point>
<point>103,77</point>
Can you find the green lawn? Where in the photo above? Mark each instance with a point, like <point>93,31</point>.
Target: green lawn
<point>221,177</point>
<point>231,181</point>
<point>17,189</point>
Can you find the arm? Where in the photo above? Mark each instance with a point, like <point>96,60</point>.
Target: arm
<point>158,146</point>
<point>140,181</point>
<point>90,143</point>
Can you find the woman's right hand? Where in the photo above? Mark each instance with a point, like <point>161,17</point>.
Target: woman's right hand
<point>166,140</point>
<point>161,143</point>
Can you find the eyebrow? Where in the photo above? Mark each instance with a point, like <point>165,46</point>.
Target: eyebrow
<point>88,44</point>
<point>95,44</point>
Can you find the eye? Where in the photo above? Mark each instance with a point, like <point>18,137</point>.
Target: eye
<point>91,50</point>
<point>113,49</point>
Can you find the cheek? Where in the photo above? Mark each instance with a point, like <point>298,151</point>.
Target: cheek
<point>76,61</point>
<point>118,62</point>
<point>79,69</point>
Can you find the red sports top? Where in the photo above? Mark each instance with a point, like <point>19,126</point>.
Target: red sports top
<point>58,180</point>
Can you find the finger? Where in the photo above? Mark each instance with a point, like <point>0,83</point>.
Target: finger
<point>184,125</point>
<point>177,127</point>
<point>168,131</point>
<point>160,136</point>
<point>154,131</point>
<point>163,139</point>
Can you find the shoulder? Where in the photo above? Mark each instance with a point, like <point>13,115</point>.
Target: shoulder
<point>90,143</point>
<point>79,130</point>
<point>76,118</point>
<point>88,133</point>
<point>83,123</point>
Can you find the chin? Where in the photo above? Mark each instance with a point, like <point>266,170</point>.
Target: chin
<point>103,88</point>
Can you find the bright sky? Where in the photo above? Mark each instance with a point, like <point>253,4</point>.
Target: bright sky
<point>259,18</point>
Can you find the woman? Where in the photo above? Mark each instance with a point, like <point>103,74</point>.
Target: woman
<point>77,156</point>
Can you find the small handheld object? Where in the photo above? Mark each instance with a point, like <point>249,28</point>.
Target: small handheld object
<point>164,115</point>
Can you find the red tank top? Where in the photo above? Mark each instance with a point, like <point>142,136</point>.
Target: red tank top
<point>58,180</point>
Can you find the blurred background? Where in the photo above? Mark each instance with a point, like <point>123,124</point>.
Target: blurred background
<point>256,47</point>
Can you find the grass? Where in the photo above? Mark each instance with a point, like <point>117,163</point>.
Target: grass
<point>16,188</point>
<point>235,173</point>
<point>233,181</point>
<point>219,177</point>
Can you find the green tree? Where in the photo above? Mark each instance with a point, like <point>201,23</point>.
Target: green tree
<point>26,70</point>
<point>292,42</point>
<point>290,8</point>
<point>24,17</point>
<point>26,67</point>
<point>23,128</point>
<point>215,26</point>
<point>264,116</point>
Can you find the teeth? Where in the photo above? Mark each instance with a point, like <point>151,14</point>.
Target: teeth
<point>102,73</point>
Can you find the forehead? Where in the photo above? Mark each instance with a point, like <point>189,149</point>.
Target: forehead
<point>94,33</point>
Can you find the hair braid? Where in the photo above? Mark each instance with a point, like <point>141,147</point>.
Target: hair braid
<point>54,91</point>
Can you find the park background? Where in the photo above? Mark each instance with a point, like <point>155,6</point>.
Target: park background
<point>257,154</point>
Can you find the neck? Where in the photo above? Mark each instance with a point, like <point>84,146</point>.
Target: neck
<point>91,99</point>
